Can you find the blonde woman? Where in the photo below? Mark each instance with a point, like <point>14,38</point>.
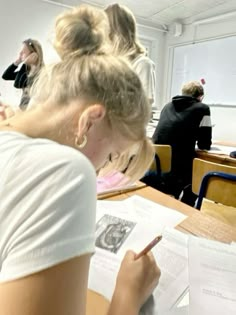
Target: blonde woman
<point>31,58</point>
<point>123,34</point>
<point>88,108</point>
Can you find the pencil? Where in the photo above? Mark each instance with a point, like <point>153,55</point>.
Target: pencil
<point>149,246</point>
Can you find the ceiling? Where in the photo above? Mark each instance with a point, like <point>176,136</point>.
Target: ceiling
<point>165,12</point>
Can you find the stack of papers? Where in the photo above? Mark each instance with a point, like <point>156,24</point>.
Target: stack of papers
<point>212,277</point>
<point>198,275</point>
<point>132,224</point>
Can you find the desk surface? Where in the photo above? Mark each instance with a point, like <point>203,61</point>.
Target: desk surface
<point>196,223</point>
<point>218,158</point>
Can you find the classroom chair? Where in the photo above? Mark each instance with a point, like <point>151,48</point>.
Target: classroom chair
<point>215,182</point>
<point>164,152</point>
<point>161,164</point>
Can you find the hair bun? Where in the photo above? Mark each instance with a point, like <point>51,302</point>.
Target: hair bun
<point>82,30</point>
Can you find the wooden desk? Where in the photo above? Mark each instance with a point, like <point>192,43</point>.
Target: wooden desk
<point>196,223</point>
<point>218,158</point>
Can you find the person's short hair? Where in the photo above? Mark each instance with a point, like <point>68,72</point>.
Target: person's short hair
<point>193,88</point>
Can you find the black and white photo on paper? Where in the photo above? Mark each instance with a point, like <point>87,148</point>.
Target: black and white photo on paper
<point>111,232</point>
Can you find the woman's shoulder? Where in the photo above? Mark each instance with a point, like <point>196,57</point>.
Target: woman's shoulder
<point>142,59</point>
<point>42,154</point>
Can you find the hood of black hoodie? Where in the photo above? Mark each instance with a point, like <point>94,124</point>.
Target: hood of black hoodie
<point>181,102</point>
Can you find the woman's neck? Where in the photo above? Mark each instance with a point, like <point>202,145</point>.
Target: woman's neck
<point>53,124</point>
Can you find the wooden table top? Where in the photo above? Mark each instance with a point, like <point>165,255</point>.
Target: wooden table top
<point>218,158</point>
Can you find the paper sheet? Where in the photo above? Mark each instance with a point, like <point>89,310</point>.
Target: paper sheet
<point>145,220</point>
<point>144,209</point>
<point>119,229</point>
<point>172,257</point>
<point>212,277</point>
<point>132,224</point>
<point>102,274</point>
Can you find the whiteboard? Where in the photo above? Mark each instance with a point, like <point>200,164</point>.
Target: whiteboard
<point>214,61</point>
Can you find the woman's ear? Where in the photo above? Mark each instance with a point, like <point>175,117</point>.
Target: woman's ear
<point>90,116</point>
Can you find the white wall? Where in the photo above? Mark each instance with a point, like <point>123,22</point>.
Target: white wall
<point>21,20</point>
<point>224,118</point>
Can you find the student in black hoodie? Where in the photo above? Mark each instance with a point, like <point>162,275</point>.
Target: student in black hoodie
<point>183,122</point>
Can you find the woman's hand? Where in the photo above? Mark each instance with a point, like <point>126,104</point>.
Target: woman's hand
<point>136,281</point>
<point>138,277</point>
<point>31,59</point>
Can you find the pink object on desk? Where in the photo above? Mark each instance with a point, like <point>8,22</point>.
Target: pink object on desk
<point>112,181</point>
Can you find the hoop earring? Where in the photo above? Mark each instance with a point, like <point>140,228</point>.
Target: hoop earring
<point>82,144</point>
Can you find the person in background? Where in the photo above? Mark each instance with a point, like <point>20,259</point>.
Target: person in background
<point>123,35</point>
<point>86,109</point>
<point>31,58</point>
<point>184,122</point>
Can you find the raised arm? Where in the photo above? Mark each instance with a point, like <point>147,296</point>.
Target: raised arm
<point>135,282</point>
<point>20,77</point>
<point>205,130</point>
<point>62,289</point>
<point>9,73</point>
<point>51,225</point>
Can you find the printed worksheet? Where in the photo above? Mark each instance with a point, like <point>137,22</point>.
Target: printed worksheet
<point>212,277</point>
<point>132,224</point>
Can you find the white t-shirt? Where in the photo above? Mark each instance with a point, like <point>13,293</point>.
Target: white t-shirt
<point>145,68</point>
<point>48,204</point>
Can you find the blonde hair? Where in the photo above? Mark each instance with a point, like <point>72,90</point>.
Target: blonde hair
<point>123,31</point>
<point>193,88</point>
<point>81,30</point>
<point>89,74</point>
<point>34,46</point>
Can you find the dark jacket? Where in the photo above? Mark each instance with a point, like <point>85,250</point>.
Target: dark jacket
<point>21,81</point>
<point>183,122</point>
